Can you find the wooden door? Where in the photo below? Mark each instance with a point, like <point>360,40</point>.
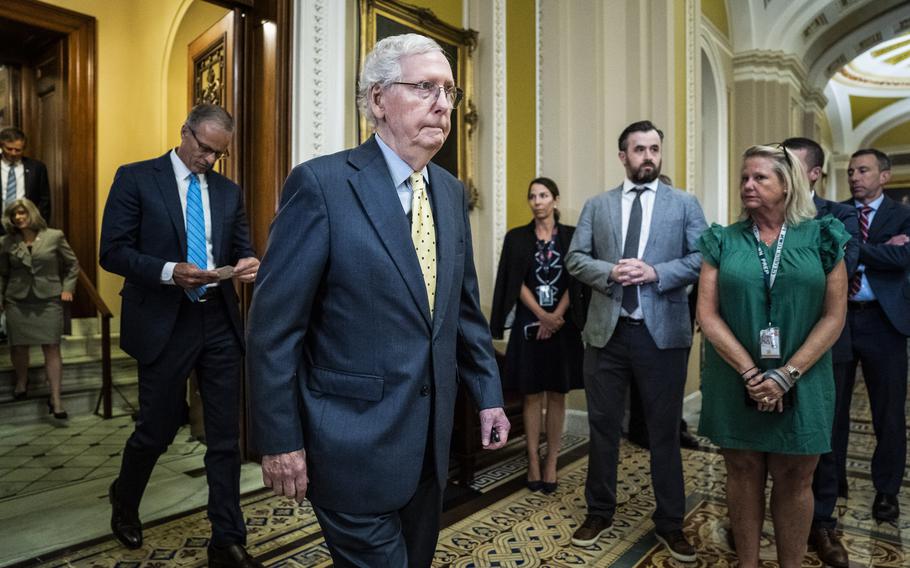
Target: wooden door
<point>212,79</point>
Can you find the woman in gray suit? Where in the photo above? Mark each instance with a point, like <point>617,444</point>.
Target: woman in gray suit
<point>38,272</point>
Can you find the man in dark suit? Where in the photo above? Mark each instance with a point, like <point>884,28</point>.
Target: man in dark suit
<point>366,318</point>
<point>29,177</point>
<point>830,477</point>
<point>878,314</point>
<point>635,247</point>
<point>177,231</point>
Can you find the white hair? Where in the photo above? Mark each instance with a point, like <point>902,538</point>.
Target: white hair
<point>382,65</point>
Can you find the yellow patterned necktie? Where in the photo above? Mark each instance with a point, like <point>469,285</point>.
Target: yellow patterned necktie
<point>423,233</point>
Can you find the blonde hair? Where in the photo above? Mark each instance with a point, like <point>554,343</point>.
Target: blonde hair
<point>798,204</point>
<point>35,221</point>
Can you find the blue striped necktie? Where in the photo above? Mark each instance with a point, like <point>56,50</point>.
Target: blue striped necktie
<point>195,233</point>
<point>10,186</point>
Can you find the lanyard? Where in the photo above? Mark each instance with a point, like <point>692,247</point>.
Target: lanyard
<point>770,273</point>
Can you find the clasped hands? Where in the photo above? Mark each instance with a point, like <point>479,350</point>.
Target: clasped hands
<point>550,323</point>
<point>767,393</point>
<point>188,275</point>
<point>632,272</point>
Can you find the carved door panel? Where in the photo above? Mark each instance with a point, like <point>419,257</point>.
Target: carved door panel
<point>212,78</point>
<point>47,138</point>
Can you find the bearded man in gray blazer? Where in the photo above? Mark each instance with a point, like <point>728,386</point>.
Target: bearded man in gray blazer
<point>635,247</point>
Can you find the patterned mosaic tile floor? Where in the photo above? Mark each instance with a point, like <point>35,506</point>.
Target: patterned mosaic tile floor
<point>519,528</point>
<point>50,454</point>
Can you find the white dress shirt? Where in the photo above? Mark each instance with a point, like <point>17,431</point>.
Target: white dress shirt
<point>182,174</point>
<point>865,293</point>
<point>647,208</point>
<point>401,174</point>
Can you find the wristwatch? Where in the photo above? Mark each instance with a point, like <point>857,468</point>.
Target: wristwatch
<point>794,372</point>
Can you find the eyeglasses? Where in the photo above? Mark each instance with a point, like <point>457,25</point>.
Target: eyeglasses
<point>429,91</point>
<point>206,149</point>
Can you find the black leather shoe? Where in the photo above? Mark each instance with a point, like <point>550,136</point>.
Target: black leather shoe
<point>124,524</point>
<point>885,508</point>
<point>829,547</point>
<point>549,488</point>
<point>234,556</point>
<point>688,440</point>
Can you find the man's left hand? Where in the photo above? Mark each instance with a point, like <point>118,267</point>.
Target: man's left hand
<point>898,240</point>
<point>246,268</point>
<point>636,272</point>
<point>491,418</point>
<point>66,296</point>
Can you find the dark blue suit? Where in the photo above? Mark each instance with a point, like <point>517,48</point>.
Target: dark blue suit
<point>345,360</point>
<point>37,187</point>
<point>879,333</point>
<point>143,228</point>
<point>830,477</point>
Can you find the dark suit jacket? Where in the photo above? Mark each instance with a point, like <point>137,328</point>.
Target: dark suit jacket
<point>887,266</point>
<point>842,350</point>
<point>518,250</point>
<point>37,188</point>
<point>344,359</point>
<point>143,228</point>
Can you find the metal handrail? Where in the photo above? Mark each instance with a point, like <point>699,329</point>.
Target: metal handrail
<point>106,315</point>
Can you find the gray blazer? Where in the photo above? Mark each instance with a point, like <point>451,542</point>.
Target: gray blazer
<point>49,269</point>
<point>677,221</point>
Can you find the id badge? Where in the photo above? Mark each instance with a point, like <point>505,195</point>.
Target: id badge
<point>769,338</point>
<point>545,295</point>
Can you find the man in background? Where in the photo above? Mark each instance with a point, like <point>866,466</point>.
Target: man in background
<point>22,177</point>
<point>176,230</point>
<point>830,479</point>
<point>635,247</point>
<point>878,314</point>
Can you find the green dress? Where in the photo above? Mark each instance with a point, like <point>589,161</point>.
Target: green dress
<point>810,251</point>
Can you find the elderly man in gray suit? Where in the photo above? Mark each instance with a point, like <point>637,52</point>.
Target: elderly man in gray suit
<point>635,247</point>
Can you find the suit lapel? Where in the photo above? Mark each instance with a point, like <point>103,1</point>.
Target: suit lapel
<point>170,196</point>
<point>659,212</point>
<point>216,210</point>
<point>444,218</point>
<point>881,217</point>
<point>374,189</point>
<point>27,176</point>
<point>614,201</point>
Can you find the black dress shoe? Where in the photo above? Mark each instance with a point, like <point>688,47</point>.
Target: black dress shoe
<point>688,440</point>
<point>885,508</point>
<point>234,556</point>
<point>124,524</point>
<point>549,488</point>
<point>534,485</point>
<point>20,395</point>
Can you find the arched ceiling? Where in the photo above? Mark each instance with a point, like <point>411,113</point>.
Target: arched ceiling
<point>824,34</point>
<point>856,51</point>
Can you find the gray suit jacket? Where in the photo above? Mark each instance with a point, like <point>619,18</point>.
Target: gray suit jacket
<point>49,269</point>
<point>677,221</point>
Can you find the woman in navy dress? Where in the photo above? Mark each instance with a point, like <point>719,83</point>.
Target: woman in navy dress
<point>544,354</point>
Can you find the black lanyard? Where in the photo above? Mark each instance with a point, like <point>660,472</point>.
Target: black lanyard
<point>770,273</point>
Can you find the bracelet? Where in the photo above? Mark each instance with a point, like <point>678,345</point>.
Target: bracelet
<point>747,370</point>
<point>779,378</point>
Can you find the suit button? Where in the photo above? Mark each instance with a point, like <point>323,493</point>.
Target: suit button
<point>425,390</point>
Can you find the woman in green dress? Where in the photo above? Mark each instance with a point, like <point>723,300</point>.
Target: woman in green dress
<point>772,301</point>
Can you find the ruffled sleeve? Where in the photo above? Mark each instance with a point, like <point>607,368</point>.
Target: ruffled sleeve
<point>832,237</point>
<point>709,244</point>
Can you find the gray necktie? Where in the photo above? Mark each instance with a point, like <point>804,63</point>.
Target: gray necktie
<point>630,249</point>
